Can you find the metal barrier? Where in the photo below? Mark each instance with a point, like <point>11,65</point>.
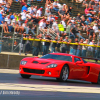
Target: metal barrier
<point>86,50</point>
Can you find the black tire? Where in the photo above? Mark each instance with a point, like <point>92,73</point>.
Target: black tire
<point>64,74</point>
<point>98,78</point>
<point>25,76</point>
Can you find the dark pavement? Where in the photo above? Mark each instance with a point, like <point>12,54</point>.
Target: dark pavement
<point>44,95</point>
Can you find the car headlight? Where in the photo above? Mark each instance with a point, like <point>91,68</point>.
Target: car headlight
<point>52,66</point>
<point>23,62</point>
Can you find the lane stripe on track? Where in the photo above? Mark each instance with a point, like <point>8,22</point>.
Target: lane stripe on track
<point>39,87</point>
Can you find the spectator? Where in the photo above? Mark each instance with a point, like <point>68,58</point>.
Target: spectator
<point>75,31</point>
<point>78,17</point>
<point>2,18</point>
<point>90,49</point>
<point>47,44</point>
<point>53,45</point>
<point>92,2</point>
<point>5,27</point>
<point>75,47</point>
<point>23,15</point>
<point>55,6</point>
<point>84,48</point>
<point>64,48</point>
<point>95,28</point>
<point>31,10</point>
<point>47,13</point>
<point>61,12</point>
<point>58,45</point>
<point>68,31</point>
<point>79,48</point>
<point>42,25</point>
<point>27,47</point>
<point>91,33</point>
<point>16,28</point>
<point>30,27</point>
<point>37,45</point>
<point>63,23</point>
<point>39,12</point>
<point>69,46</point>
<point>96,8</point>
<point>84,3</point>
<point>24,8</point>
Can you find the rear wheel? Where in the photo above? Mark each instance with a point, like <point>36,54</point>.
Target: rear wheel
<point>98,78</point>
<point>25,76</point>
<point>64,74</point>
<point>98,82</point>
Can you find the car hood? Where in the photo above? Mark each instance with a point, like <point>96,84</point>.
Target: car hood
<point>46,61</point>
<point>42,63</point>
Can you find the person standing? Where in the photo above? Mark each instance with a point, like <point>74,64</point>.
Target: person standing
<point>53,45</point>
<point>84,48</point>
<point>58,45</point>
<point>90,49</point>
<point>64,47</point>
<point>36,45</point>
<point>75,47</point>
<point>47,44</point>
<point>79,48</point>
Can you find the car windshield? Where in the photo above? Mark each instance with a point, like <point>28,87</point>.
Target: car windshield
<point>57,57</point>
<point>84,60</point>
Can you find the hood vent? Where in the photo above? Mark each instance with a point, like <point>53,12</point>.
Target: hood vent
<point>36,62</point>
<point>44,62</point>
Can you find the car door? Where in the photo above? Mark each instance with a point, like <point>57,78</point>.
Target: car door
<point>78,69</point>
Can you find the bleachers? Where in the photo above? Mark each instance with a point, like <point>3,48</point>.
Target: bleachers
<point>77,8</point>
<point>15,7</point>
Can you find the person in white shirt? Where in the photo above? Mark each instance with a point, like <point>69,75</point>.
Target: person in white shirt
<point>95,28</point>
<point>59,5</point>
<point>28,15</point>
<point>23,15</point>
<point>84,48</point>
<point>63,23</point>
<point>90,49</point>
<point>35,9</point>
<point>55,24</point>
<point>39,12</point>
<point>31,11</point>
<point>8,20</point>
<point>42,25</point>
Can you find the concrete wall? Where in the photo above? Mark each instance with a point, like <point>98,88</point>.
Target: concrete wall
<point>10,61</point>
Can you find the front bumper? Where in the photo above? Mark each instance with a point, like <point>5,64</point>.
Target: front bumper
<point>47,72</point>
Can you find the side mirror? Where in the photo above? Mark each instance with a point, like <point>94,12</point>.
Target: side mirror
<point>79,62</point>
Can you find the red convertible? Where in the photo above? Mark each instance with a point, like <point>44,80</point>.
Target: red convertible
<point>61,66</point>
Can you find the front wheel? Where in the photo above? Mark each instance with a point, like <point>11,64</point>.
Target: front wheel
<point>64,74</point>
<point>25,76</point>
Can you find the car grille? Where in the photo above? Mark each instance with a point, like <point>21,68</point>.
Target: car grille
<point>33,71</point>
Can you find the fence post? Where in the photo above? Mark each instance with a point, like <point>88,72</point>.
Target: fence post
<point>37,30</point>
<point>1,40</point>
<point>13,40</point>
<point>20,45</point>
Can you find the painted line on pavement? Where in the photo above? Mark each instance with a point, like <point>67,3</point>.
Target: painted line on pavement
<point>51,88</point>
<point>40,87</point>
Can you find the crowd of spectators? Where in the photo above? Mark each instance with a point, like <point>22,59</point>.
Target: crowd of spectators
<point>56,23</point>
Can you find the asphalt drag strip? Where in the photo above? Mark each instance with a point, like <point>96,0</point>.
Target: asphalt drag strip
<point>41,87</point>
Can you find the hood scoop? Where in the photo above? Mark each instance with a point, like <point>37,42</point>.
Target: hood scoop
<point>36,62</point>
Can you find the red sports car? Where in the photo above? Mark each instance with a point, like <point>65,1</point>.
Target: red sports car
<point>62,66</point>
